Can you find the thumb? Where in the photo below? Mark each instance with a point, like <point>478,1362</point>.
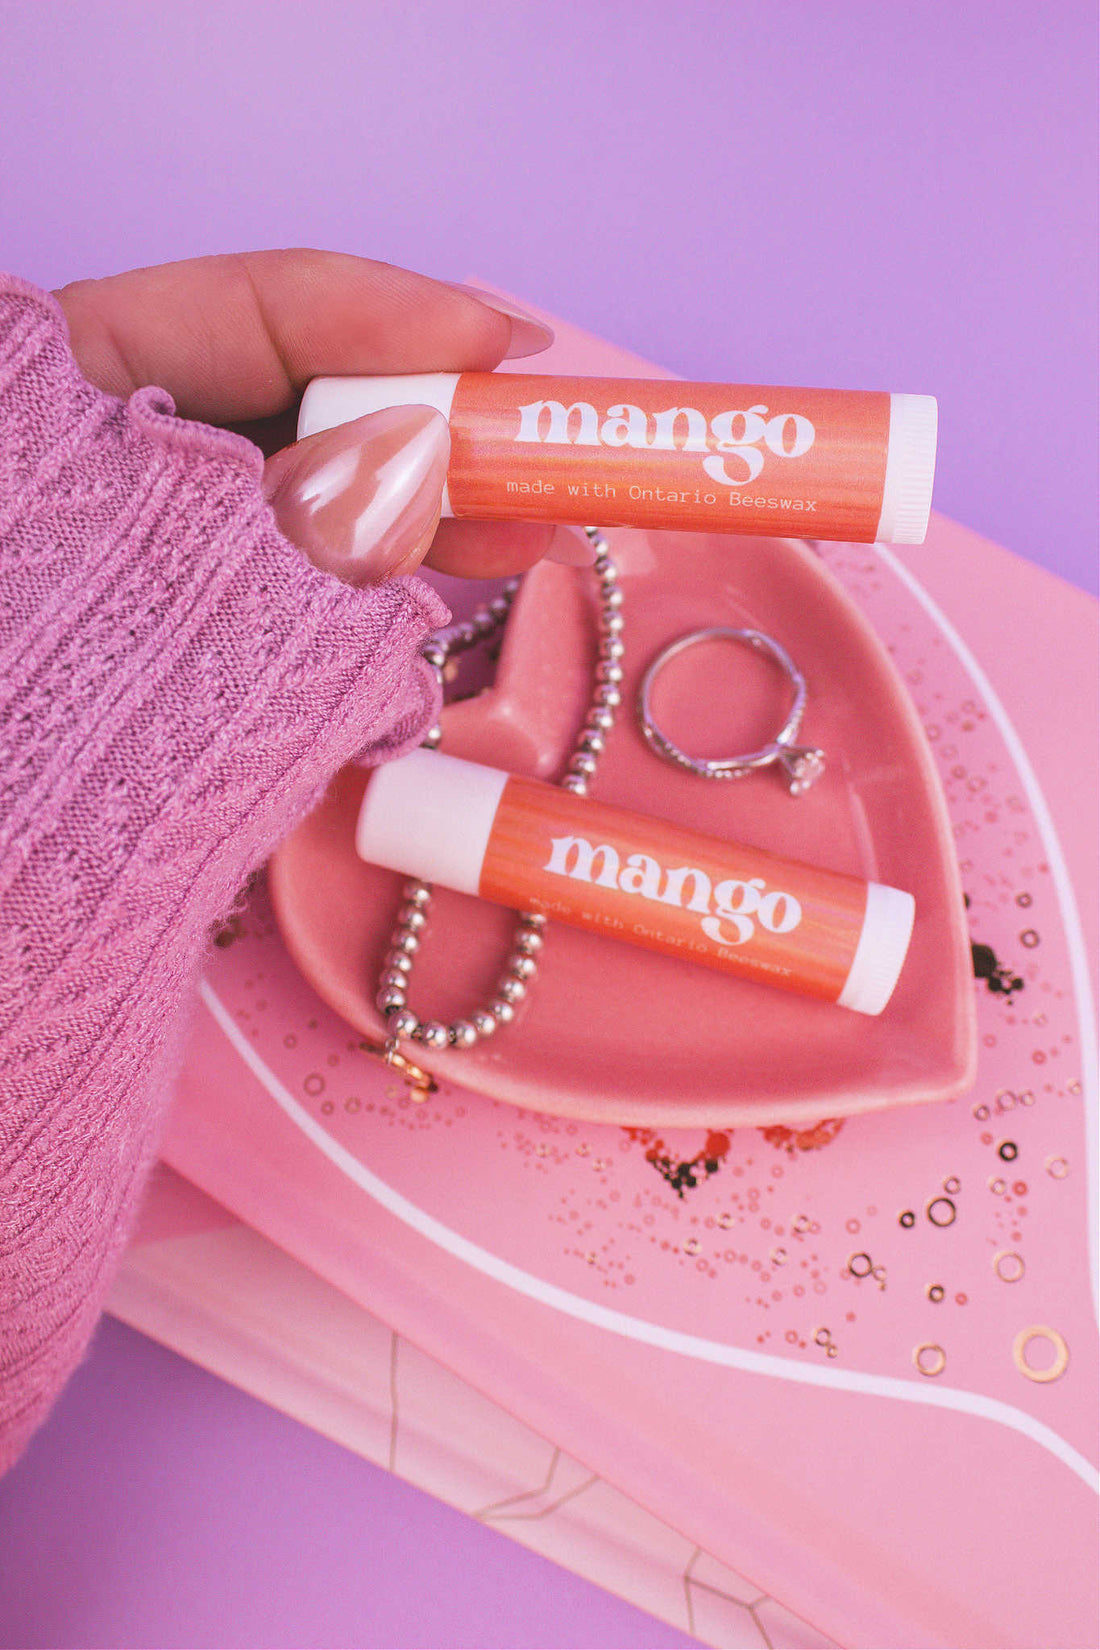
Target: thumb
<point>362,499</point>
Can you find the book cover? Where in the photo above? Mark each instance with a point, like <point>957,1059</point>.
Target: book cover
<point>848,1370</point>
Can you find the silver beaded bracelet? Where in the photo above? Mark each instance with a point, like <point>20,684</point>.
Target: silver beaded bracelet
<point>522,965</point>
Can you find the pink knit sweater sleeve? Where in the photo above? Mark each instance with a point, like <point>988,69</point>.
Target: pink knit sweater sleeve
<point>177,685</point>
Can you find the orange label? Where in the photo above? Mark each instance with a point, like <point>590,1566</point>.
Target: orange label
<point>668,888</point>
<point>629,452</point>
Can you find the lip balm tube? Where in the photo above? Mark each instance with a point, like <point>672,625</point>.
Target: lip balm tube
<point>534,847</point>
<point>853,465</point>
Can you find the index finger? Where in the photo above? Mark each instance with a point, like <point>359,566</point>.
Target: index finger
<point>238,337</point>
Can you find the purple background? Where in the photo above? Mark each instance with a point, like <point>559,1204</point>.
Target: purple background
<point>856,194</point>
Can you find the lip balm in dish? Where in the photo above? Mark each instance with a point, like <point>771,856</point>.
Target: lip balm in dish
<point>523,843</point>
<point>855,465</point>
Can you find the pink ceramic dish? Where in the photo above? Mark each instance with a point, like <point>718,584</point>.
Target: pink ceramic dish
<point>617,1034</point>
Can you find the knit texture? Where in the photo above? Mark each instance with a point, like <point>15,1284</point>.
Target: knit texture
<point>177,686</point>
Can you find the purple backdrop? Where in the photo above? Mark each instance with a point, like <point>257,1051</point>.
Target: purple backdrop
<point>857,194</point>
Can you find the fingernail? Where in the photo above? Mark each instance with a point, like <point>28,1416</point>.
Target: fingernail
<point>571,549</point>
<point>362,499</point>
<point>528,335</point>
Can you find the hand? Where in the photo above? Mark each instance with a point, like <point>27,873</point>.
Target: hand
<point>234,340</point>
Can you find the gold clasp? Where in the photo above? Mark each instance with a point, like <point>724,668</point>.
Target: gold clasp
<point>419,1082</point>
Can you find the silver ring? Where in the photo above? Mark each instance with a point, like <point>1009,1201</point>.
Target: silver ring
<point>803,764</point>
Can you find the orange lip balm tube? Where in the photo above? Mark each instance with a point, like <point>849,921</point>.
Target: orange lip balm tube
<point>529,845</point>
<point>703,458</point>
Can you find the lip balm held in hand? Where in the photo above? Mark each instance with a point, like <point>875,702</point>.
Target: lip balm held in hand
<point>529,845</point>
<point>729,458</point>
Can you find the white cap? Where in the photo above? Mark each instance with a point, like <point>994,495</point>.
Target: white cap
<point>331,401</point>
<point>430,816</point>
<point>880,953</point>
<point>910,469</point>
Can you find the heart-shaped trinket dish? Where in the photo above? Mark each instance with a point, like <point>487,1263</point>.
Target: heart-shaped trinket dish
<point>618,1034</point>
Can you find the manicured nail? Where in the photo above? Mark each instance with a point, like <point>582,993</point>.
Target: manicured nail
<point>528,335</point>
<point>362,499</point>
<point>571,549</point>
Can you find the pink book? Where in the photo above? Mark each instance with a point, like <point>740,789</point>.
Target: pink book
<point>822,1380</point>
